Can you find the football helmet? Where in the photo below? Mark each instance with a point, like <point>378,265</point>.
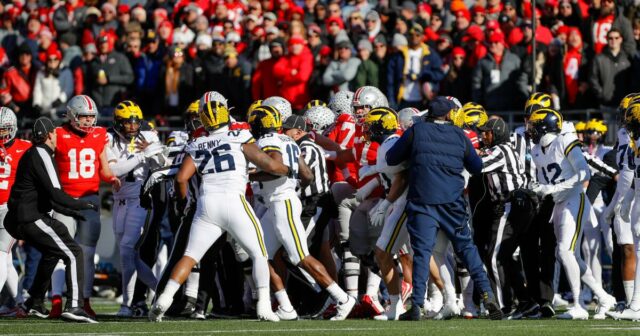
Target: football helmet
<point>379,123</point>
<point>320,117</point>
<point>282,105</point>
<point>543,121</point>
<point>214,115</point>
<point>253,106</point>
<point>341,102</point>
<point>455,100</point>
<point>8,125</point>
<point>624,104</point>
<point>406,117</point>
<point>127,112</point>
<point>632,120</point>
<point>537,100</point>
<point>580,126</point>
<point>82,105</point>
<point>365,99</point>
<point>213,96</point>
<point>265,119</point>
<point>192,117</point>
<point>315,102</point>
<point>595,125</point>
<point>471,115</point>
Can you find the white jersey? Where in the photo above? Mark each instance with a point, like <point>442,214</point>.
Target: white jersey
<point>282,187</point>
<point>177,138</point>
<point>220,161</point>
<point>624,152</point>
<point>385,171</point>
<point>120,149</point>
<point>552,166</point>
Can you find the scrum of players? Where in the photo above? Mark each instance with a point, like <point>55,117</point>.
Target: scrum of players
<point>310,200</point>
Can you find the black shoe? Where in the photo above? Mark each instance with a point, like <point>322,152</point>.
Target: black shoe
<point>188,309</point>
<point>77,314</point>
<point>490,304</point>
<point>413,314</point>
<point>525,310</point>
<point>35,308</point>
<point>620,307</point>
<point>140,309</point>
<point>547,310</point>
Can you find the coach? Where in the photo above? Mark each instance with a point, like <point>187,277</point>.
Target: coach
<point>35,193</point>
<point>437,152</point>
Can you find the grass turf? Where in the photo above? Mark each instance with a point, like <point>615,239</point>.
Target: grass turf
<point>110,325</point>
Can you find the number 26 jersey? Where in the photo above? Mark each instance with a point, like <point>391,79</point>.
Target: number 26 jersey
<point>552,165</point>
<point>220,161</point>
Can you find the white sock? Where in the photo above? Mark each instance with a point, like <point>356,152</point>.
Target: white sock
<point>396,303</point>
<point>351,273</point>
<point>166,298</point>
<point>337,293</point>
<point>88,254</point>
<point>283,300</point>
<point>635,300</point>
<point>264,298</point>
<point>572,271</point>
<point>12,279</point>
<point>192,285</point>
<point>128,268</point>
<point>373,285</point>
<point>261,274</point>
<point>628,289</point>
<point>4,269</point>
<point>58,279</point>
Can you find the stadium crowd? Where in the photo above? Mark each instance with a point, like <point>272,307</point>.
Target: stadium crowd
<point>327,163</point>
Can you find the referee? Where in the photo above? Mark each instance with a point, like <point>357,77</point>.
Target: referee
<point>438,152</point>
<point>34,195</point>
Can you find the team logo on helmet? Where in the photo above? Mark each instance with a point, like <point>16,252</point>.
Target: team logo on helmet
<point>80,106</point>
<point>471,115</point>
<point>127,112</point>
<point>314,103</point>
<point>282,105</point>
<point>265,119</point>
<point>192,116</point>
<point>380,122</point>
<point>341,102</point>
<point>536,101</point>
<point>214,115</point>
<point>544,121</point>
<point>213,96</point>
<point>407,117</point>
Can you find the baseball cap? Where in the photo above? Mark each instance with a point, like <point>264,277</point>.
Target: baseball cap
<point>440,106</point>
<point>296,121</point>
<point>41,128</point>
<point>409,6</point>
<point>498,126</point>
<point>270,16</point>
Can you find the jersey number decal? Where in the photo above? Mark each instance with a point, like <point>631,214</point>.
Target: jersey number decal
<point>5,172</point>
<point>552,167</point>
<point>222,162</point>
<point>293,152</point>
<point>86,167</point>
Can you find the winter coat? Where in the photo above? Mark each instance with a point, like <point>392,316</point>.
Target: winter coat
<point>367,75</point>
<point>119,75</point>
<point>263,82</point>
<point>50,92</point>
<point>501,93</point>
<point>610,77</point>
<point>293,87</point>
<point>339,74</point>
<point>208,69</point>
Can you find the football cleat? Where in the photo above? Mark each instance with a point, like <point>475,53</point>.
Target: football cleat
<point>77,314</point>
<point>87,308</point>
<point>525,310</point>
<point>492,308</point>
<point>413,314</point>
<point>392,314</point>
<point>125,311</point>
<point>284,315</point>
<point>630,314</point>
<point>559,302</point>
<point>156,313</point>
<point>574,313</point>
<point>371,306</point>
<point>198,315</point>
<point>407,290</point>
<point>447,312</point>
<point>265,313</point>
<point>343,309</point>
<point>604,305</point>
<point>56,307</point>
<point>35,308</point>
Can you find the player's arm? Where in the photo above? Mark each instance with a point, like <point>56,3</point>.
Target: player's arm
<point>105,171</point>
<point>398,186</point>
<point>187,170</point>
<point>254,154</point>
<point>47,178</point>
<point>304,172</point>
<point>262,176</point>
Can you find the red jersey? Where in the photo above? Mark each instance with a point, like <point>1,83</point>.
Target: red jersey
<point>9,166</point>
<point>601,28</point>
<point>473,136</point>
<point>78,158</point>
<point>343,133</point>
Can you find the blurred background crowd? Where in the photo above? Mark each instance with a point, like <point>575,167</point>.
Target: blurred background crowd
<point>163,54</point>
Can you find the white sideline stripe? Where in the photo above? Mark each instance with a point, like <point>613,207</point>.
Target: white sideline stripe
<point>205,331</point>
<point>74,271</point>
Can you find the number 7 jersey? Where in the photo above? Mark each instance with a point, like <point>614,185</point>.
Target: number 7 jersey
<point>78,159</point>
<point>220,161</point>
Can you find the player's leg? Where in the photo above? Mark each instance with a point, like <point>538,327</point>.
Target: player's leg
<point>624,234</point>
<point>244,227</point>
<point>87,235</point>
<point>440,252</point>
<point>632,312</point>
<point>344,196</point>
<point>58,278</point>
<point>8,274</point>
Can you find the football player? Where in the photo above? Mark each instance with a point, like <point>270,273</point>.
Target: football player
<point>562,171</point>
<point>11,150</point>
<point>221,159</point>
<point>282,105</point>
<point>132,154</point>
<point>281,222</point>
<point>81,155</point>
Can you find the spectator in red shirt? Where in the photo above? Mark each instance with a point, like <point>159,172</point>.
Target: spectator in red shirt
<point>264,83</point>
<point>293,72</point>
<point>20,79</point>
<point>602,20</point>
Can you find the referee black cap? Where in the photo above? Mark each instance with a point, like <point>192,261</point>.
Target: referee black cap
<point>499,128</point>
<point>41,128</point>
<point>296,121</point>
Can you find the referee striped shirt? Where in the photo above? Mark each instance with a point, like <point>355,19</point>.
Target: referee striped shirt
<point>504,171</point>
<point>314,158</point>
<point>597,166</point>
<point>522,146</point>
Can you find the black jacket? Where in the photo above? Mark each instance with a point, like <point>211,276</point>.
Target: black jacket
<point>37,190</point>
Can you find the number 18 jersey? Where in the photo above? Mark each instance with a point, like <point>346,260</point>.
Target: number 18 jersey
<point>78,159</point>
<point>552,166</point>
<point>282,187</point>
<point>220,161</point>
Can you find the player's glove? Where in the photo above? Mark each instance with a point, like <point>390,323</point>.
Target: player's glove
<point>180,205</point>
<point>542,190</point>
<point>378,214</point>
<point>153,150</point>
<point>610,211</point>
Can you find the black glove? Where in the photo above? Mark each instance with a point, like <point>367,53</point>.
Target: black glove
<point>56,103</point>
<point>180,205</point>
<point>77,215</point>
<point>91,206</point>
<point>145,201</point>
<point>37,110</point>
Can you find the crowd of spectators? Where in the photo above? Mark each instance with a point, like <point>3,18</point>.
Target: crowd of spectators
<point>164,54</point>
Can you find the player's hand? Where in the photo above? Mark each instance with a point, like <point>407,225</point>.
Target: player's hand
<point>352,182</point>
<point>153,149</point>
<point>115,183</point>
<point>542,189</point>
<point>378,214</point>
<point>77,215</point>
<point>609,212</point>
<point>92,206</point>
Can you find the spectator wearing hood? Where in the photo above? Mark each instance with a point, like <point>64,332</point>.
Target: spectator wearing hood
<point>342,70</point>
<point>497,82</point>
<point>20,79</point>
<point>108,75</point>
<point>373,25</point>
<point>414,72</point>
<point>607,17</point>
<point>293,71</point>
<point>53,86</point>
<point>263,82</point>
<point>367,74</point>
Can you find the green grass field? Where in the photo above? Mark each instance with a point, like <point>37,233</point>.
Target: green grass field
<point>110,325</point>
